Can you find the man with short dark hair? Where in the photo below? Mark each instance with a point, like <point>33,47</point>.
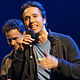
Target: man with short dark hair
<point>57,55</point>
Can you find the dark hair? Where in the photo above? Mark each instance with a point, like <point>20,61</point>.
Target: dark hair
<point>14,24</point>
<point>33,4</point>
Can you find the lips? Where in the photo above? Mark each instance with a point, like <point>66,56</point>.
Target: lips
<point>34,27</point>
<point>15,47</point>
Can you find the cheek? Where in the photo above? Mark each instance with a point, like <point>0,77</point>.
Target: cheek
<point>8,42</point>
<point>40,20</point>
<point>26,24</point>
<point>17,46</point>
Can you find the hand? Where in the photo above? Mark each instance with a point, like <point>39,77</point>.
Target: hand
<point>49,62</point>
<point>25,39</point>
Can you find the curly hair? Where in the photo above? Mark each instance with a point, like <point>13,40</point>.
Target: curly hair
<point>13,24</point>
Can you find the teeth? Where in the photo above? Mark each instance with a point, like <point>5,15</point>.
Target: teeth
<point>34,26</point>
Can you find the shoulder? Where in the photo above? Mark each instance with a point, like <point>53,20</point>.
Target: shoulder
<point>59,35</point>
<point>65,40</point>
<point>62,37</point>
<point>7,57</point>
<point>6,63</point>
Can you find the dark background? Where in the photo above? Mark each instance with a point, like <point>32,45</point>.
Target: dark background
<point>62,15</point>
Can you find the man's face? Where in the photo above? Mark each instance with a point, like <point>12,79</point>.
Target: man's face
<point>33,19</point>
<point>12,38</point>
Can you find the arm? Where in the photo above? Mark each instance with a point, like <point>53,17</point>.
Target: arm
<point>6,64</point>
<point>70,66</point>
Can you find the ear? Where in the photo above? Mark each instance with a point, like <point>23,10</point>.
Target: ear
<point>44,21</point>
<point>24,33</point>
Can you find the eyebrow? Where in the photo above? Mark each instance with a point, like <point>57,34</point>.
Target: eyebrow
<point>34,14</point>
<point>13,38</point>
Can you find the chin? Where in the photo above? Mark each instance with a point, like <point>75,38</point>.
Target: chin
<point>36,31</point>
<point>16,49</point>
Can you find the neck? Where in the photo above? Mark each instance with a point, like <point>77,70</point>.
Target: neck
<point>43,36</point>
<point>20,49</point>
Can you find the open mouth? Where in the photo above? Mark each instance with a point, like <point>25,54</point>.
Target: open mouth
<point>34,27</point>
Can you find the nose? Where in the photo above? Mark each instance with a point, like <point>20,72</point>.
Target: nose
<point>31,19</point>
<point>13,42</point>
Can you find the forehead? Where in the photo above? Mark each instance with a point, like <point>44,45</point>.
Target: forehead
<point>31,10</point>
<point>13,33</point>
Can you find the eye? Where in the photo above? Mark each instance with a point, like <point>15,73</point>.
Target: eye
<point>35,16</point>
<point>27,18</point>
<point>15,38</point>
<point>9,40</point>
